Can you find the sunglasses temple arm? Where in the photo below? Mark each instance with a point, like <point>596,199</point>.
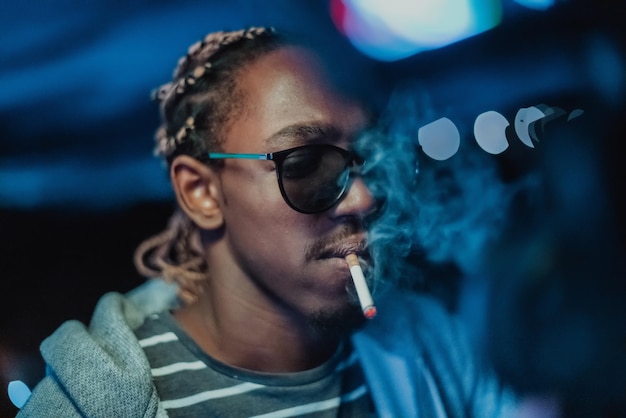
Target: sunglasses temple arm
<point>219,155</point>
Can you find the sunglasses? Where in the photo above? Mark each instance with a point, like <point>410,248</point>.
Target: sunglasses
<point>311,178</point>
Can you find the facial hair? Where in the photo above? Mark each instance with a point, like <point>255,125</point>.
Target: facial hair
<point>336,325</point>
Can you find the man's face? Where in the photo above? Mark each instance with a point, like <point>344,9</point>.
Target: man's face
<point>283,260</point>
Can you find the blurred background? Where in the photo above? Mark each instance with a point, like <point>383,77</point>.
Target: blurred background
<point>536,87</point>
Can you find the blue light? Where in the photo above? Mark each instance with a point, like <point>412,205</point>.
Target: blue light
<point>18,393</point>
<point>440,139</point>
<point>76,182</point>
<point>396,29</point>
<point>490,132</point>
<point>536,4</point>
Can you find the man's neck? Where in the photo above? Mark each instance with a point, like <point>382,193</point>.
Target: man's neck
<point>244,336</point>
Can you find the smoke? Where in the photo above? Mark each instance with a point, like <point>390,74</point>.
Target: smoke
<point>544,251</point>
<point>435,217</point>
<point>556,312</point>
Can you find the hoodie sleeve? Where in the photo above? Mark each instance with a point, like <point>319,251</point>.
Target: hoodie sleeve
<point>48,400</point>
<point>419,363</point>
<point>100,370</point>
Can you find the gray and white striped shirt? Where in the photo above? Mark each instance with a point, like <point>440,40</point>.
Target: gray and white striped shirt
<point>192,384</point>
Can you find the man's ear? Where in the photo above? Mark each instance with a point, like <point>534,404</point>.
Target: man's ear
<point>197,191</point>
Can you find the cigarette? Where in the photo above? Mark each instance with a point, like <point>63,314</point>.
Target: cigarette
<point>362,291</point>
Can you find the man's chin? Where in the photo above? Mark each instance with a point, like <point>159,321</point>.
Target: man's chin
<point>336,323</point>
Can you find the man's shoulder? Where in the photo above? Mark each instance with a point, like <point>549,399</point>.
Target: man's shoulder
<point>154,296</point>
<point>402,311</point>
<point>101,368</point>
<point>110,333</point>
<point>416,342</point>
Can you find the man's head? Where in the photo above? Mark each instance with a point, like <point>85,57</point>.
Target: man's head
<point>199,102</point>
<point>266,95</point>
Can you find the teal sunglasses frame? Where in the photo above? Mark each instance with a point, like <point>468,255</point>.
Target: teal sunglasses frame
<point>341,180</point>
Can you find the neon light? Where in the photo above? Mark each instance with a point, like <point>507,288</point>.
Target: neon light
<point>440,139</point>
<point>396,29</point>
<point>18,393</point>
<point>490,132</point>
<point>536,4</point>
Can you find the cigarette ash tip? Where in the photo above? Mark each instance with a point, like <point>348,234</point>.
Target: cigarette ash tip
<point>369,312</point>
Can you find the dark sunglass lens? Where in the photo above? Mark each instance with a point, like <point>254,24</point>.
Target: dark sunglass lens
<point>314,178</point>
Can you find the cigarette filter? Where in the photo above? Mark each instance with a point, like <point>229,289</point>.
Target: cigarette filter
<point>362,291</point>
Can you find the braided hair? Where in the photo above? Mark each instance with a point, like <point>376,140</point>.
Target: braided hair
<point>196,107</point>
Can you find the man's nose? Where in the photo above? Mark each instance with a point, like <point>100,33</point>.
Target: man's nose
<point>358,200</point>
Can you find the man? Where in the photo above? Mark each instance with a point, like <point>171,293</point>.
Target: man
<point>258,138</point>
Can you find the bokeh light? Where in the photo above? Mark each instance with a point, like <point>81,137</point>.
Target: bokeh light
<point>396,29</point>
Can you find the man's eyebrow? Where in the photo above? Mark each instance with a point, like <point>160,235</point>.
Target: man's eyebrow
<point>299,134</point>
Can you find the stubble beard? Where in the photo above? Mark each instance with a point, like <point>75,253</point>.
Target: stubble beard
<point>336,325</point>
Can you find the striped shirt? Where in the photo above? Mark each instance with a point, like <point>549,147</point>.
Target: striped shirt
<point>192,384</point>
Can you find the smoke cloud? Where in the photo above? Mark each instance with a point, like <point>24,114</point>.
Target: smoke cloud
<point>436,217</point>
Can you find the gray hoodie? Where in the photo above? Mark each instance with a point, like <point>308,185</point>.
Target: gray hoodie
<point>416,361</point>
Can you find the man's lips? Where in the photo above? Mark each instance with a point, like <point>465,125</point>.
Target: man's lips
<point>341,250</point>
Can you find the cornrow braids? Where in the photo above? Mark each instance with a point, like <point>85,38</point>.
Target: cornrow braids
<point>196,104</point>
<point>195,109</point>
